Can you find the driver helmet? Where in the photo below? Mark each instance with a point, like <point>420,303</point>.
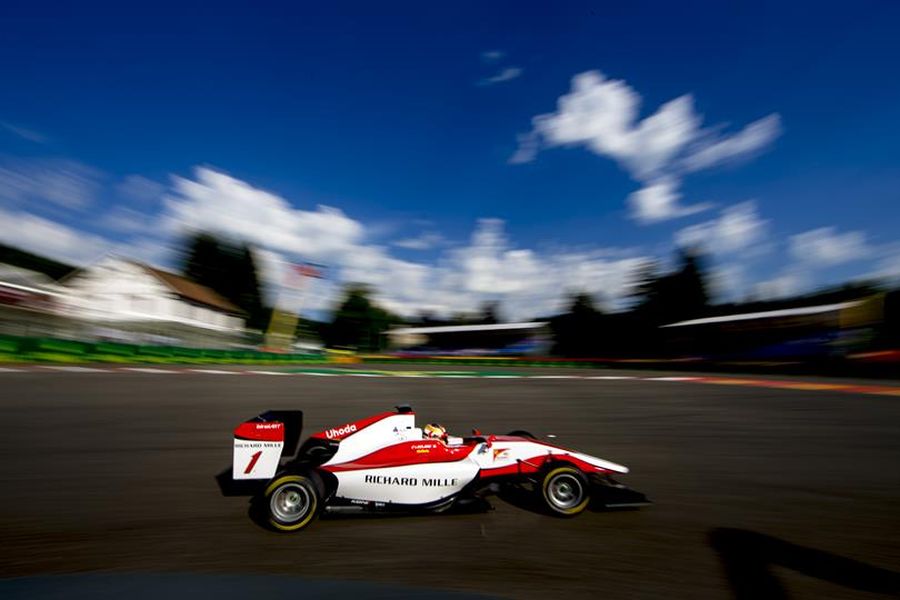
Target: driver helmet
<point>435,431</point>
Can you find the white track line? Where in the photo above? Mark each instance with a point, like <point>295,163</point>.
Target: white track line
<point>147,370</point>
<point>77,369</point>
<point>555,377</point>
<point>270,372</point>
<point>8,370</point>
<point>612,377</point>
<point>318,374</point>
<point>214,372</point>
<point>365,374</point>
<point>499,376</point>
<point>671,378</point>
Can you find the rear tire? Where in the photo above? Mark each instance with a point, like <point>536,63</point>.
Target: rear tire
<point>565,491</point>
<point>292,501</point>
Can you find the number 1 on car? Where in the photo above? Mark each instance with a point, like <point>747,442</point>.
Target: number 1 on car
<point>252,462</point>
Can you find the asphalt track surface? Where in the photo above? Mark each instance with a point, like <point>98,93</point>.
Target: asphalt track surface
<point>113,472</point>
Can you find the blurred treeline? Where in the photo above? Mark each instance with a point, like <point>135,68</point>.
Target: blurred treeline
<point>585,329</point>
<point>660,300</point>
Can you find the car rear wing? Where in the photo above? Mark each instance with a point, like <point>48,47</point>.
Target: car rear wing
<point>260,443</point>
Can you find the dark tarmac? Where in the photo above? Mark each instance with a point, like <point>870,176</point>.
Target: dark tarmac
<point>113,473</point>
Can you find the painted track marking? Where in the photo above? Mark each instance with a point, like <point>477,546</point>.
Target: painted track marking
<point>69,369</point>
<point>270,372</point>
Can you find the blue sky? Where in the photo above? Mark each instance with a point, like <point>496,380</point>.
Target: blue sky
<point>399,144</point>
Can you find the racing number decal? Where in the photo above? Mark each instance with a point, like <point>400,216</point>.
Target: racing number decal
<point>252,462</point>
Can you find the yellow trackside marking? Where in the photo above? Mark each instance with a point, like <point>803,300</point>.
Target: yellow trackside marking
<point>806,386</point>
<point>726,381</point>
<point>886,392</point>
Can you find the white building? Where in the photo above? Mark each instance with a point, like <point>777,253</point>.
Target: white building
<point>125,295</point>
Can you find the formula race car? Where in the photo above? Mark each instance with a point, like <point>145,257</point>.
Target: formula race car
<point>386,463</point>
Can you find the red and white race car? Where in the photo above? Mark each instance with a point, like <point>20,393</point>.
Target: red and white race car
<point>386,463</point>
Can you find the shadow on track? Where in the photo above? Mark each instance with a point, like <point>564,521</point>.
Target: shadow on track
<point>747,557</point>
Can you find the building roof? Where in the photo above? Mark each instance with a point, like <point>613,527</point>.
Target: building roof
<point>462,328</point>
<point>18,276</point>
<point>192,291</point>
<point>769,314</point>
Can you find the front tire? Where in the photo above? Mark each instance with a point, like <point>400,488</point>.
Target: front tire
<point>564,491</point>
<point>291,502</point>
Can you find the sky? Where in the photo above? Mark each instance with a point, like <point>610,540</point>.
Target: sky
<point>451,155</point>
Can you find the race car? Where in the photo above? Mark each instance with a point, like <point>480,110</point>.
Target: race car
<point>385,463</point>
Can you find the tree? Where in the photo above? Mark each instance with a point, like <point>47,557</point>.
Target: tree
<point>358,322</point>
<point>489,313</point>
<point>229,269</point>
<point>676,296</point>
<point>686,294</point>
<point>577,332</point>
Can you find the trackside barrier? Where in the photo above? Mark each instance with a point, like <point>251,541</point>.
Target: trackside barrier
<point>114,349</point>
<point>45,349</point>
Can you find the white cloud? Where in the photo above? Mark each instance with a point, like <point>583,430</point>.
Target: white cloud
<point>826,247</point>
<point>738,228</point>
<point>750,140</point>
<point>219,203</point>
<point>66,183</point>
<point>788,283</point>
<point>487,268</point>
<point>529,283</point>
<point>507,74</point>
<point>49,238</point>
<point>603,115</point>
<point>425,241</point>
<point>526,151</point>
<point>659,201</point>
<point>25,133</point>
<point>492,56</point>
